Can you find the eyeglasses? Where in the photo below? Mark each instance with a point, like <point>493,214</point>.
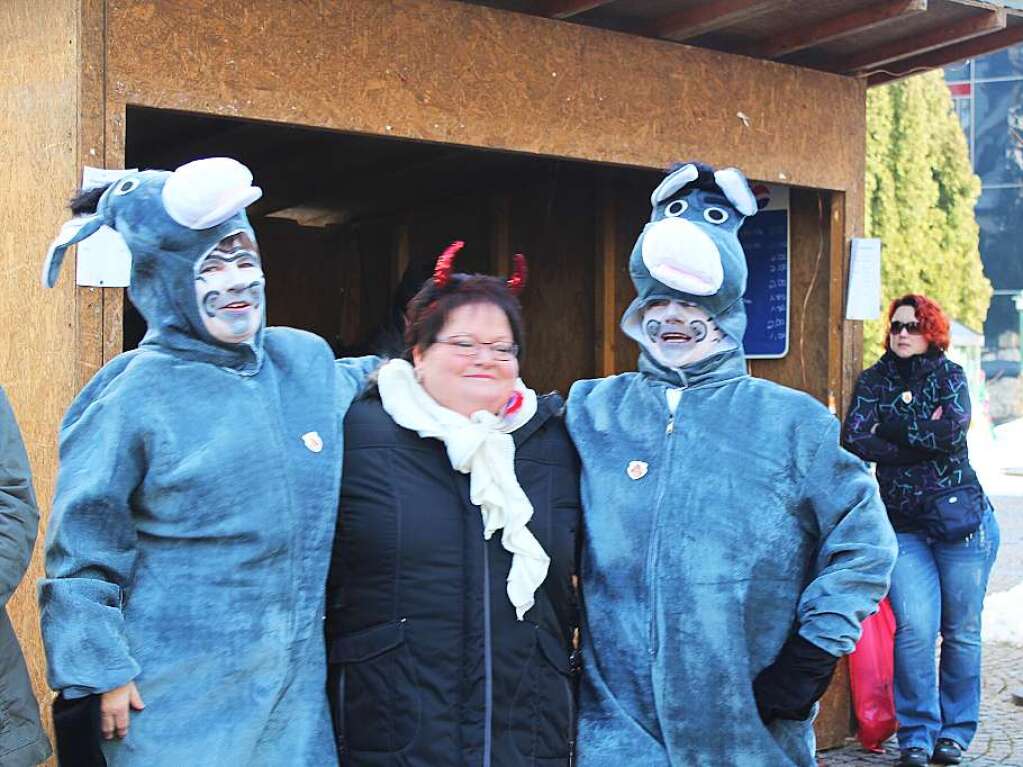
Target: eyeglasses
<point>913,328</point>
<point>467,346</point>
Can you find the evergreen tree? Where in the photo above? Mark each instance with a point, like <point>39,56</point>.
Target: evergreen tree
<point>920,196</point>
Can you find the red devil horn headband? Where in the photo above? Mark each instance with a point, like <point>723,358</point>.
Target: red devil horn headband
<point>446,265</point>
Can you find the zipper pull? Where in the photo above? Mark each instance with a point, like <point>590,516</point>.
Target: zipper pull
<point>671,425</point>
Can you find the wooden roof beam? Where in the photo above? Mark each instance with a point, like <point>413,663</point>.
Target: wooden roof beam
<point>837,27</point>
<point>564,9</point>
<point>709,17</point>
<point>985,22</point>
<point>978,46</point>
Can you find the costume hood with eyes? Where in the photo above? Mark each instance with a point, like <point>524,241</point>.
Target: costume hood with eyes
<point>716,528</point>
<point>196,503</point>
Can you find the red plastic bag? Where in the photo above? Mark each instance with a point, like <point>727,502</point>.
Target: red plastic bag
<point>871,677</point>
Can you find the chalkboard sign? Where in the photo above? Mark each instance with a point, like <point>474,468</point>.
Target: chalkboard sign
<point>765,238</point>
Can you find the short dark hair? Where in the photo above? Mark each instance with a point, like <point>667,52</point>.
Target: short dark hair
<point>430,307</point>
<point>86,201</point>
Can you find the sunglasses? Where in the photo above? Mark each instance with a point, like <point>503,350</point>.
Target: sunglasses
<point>913,328</point>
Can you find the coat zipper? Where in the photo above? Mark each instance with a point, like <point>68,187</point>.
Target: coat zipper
<point>488,664</point>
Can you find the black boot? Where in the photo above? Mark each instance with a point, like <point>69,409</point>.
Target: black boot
<point>947,751</point>
<point>913,757</point>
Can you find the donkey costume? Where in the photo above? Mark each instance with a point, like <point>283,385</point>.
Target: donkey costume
<point>196,502</point>
<point>728,536</point>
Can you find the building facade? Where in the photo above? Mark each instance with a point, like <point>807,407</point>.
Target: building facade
<point>988,94</point>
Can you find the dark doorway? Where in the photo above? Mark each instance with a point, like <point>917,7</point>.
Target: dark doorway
<point>345,217</point>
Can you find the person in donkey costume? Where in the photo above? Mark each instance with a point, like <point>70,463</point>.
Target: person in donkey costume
<point>187,552</point>
<point>731,546</point>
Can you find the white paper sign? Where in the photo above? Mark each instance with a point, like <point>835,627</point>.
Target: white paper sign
<point>94,178</point>
<point>864,298</point>
<point>104,260</point>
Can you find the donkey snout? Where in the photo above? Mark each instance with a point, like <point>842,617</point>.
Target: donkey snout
<point>679,254</point>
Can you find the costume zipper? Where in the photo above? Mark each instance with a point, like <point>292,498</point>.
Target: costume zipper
<point>669,429</point>
<point>488,664</point>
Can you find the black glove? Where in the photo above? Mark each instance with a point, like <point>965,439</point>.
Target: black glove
<point>788,688</point>
<point>893,431</point>
<point>76,725</point>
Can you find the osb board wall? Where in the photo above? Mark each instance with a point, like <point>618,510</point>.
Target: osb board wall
<point>449,72</point>
<point>38,101</point>
<point>444,71</point>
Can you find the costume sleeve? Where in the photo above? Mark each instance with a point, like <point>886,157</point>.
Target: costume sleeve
<point>858,438</point>
<point>942,435</point>
<point>352,373</point>
<point>90,551</point>
<point>856,552</point>
<point>19,515</point>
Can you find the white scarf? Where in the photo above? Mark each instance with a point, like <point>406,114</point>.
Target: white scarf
<point>482,447</point>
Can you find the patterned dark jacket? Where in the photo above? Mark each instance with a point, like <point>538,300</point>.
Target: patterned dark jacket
<point>916,453</point>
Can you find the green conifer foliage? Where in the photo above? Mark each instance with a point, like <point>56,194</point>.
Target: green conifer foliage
<point>920,196</point>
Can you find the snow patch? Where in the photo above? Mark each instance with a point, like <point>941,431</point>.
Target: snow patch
<point>1003,617</point>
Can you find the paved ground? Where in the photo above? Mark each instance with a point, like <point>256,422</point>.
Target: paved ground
<point>999,740</point>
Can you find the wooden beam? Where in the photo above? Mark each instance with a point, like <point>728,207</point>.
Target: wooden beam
<point>985,22</point>
<point>835,227</point>
<point>605,312</point>
<point>709,17</point>
<point>500,234</point>
<point>967,50</point>
<point>89,324</point>
<point>836,27</point>
<point>564,9</point>
<point>399,252</point>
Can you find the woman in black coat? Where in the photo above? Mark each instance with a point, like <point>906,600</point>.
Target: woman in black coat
<point>910,414</point>
<point>451,608</point>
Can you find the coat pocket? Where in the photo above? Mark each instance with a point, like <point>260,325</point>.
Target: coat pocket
<point>542,716</point>
<point>376,689</point>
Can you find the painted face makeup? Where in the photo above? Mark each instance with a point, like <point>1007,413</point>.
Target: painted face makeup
<point>677,333</point>
<point>229,287</point>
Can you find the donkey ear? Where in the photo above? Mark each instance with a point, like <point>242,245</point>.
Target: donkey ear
<point>736,189</point>
<point>674,181</point>
<point>75,230</point>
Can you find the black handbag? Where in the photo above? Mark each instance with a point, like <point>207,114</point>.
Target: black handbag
<point>954,513</point>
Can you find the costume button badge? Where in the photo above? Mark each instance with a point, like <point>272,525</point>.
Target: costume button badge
<point>907,397</point>
<point>312,441</point>
<point>637,469</point>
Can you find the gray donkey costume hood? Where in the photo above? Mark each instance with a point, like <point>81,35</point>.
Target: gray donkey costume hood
<point>689,251</point>
<point>723,521</point>
<point>170,221</point>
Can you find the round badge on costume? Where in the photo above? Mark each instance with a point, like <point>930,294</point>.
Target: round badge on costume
<point>313,441</point>
<point>907,397</point>
<point>637,469</point>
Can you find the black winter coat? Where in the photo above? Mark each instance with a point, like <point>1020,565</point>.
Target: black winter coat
<point>916,455</point>
<point>429,665</point>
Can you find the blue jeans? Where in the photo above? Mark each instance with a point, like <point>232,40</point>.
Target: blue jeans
<point>939,586</point>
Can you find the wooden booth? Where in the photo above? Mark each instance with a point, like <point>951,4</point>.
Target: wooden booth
<point>380,130</point>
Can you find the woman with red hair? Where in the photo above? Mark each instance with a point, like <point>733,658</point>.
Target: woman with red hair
<point>909,414</point>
